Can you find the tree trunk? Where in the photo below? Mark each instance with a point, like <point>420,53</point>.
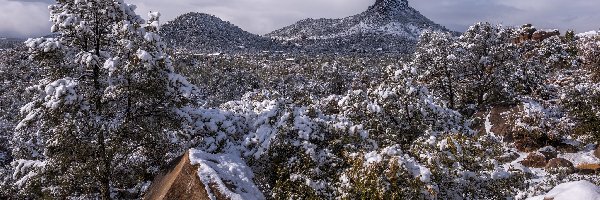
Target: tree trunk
<point>104,168</point>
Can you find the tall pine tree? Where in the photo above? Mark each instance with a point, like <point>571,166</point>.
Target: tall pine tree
<point>101,116</point>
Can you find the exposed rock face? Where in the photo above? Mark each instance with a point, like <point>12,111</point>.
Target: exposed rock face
<point>390,25</point>
<point>528,32</point>
<point>181,182</point>
<point>535,160</point>
<point>588,169</point>
<point>557,164</point>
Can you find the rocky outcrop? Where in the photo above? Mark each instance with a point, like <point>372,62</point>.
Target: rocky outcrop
<point>529,33</point>
<point>560,164</point>
<point>536,160</point>
<point>588,169</point>
<point>180,182</point>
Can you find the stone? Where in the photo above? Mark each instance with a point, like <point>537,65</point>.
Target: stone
<point>567,148</point>
<point>560,164</point>
<point>180,182</point>
<point>526,145</point>
<point>549,152</point>
<point>535,160</point>
<point>588,168</point>
<point>508,157</point>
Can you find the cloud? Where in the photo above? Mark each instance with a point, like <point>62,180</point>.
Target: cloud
<point>24,18</point>
<point>579,15</point>
<point>30,17</point>
<point>41,1</point>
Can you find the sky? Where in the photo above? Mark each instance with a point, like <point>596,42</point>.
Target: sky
<point>29,18</point>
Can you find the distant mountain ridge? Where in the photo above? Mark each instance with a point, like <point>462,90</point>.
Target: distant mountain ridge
<point>389,25</point>
<point>207,33</point>
<point>392,17</point>
<point>9,43</point>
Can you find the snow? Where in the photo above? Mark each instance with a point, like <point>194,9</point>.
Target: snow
<point>144,55</point>
<point>588,34</point>
<point>488,124</point>
<point>226,169</point>
<point>410,164</point>
<point>579,158</point>
<point>61,92</point>
<point>22,167</point>
<point>579,190</point>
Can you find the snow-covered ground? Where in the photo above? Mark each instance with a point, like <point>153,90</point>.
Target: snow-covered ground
<point>222,170</point>
<point>579,190</point>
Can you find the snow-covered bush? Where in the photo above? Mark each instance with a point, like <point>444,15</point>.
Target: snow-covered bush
<point>465,166</point>
<point>588,49</point>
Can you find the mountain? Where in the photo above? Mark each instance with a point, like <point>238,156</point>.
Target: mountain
<point>387,25</point>
<point>205,33</point>
<point>8,43</point>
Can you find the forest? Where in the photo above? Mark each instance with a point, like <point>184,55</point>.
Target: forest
<point>102,106</point>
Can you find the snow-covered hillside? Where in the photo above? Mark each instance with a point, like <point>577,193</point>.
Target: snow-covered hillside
<point>200,32</point>
<point>388,25</point>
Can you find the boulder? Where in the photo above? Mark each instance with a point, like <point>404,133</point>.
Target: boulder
<point>549,152</point>
<point>508,157</point>
<point>567,148</point>
<point>588,168</point>
<point>578,190</point>
<point>527,144</point>
<point>560,164</point>
<point>180,182</point>
<point>536,160</point>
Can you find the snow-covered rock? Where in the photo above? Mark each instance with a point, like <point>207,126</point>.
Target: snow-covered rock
<point>580,190</point>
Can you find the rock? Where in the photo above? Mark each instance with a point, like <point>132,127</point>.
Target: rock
<point>542,35</point>
<point>567,148</point>
<point>180,182</point>
<point>549,152</point>
<point>588,168</point>
<point>597,152</point>
<point>526,144</point>
<point>578,190</point>
<point>536,160</point>
<point>560,164</point>
<point>508,157</point>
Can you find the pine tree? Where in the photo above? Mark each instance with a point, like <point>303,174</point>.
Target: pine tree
<point>101,116</point>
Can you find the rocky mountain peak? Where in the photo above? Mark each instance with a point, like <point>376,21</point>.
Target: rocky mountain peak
<point>389,6</point>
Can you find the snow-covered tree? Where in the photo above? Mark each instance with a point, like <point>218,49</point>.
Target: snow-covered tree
<point>436,61</point>
<point>101,116</point>
<point>485,58</point>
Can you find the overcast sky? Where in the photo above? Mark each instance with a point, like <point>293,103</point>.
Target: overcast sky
<point>28,18</point>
